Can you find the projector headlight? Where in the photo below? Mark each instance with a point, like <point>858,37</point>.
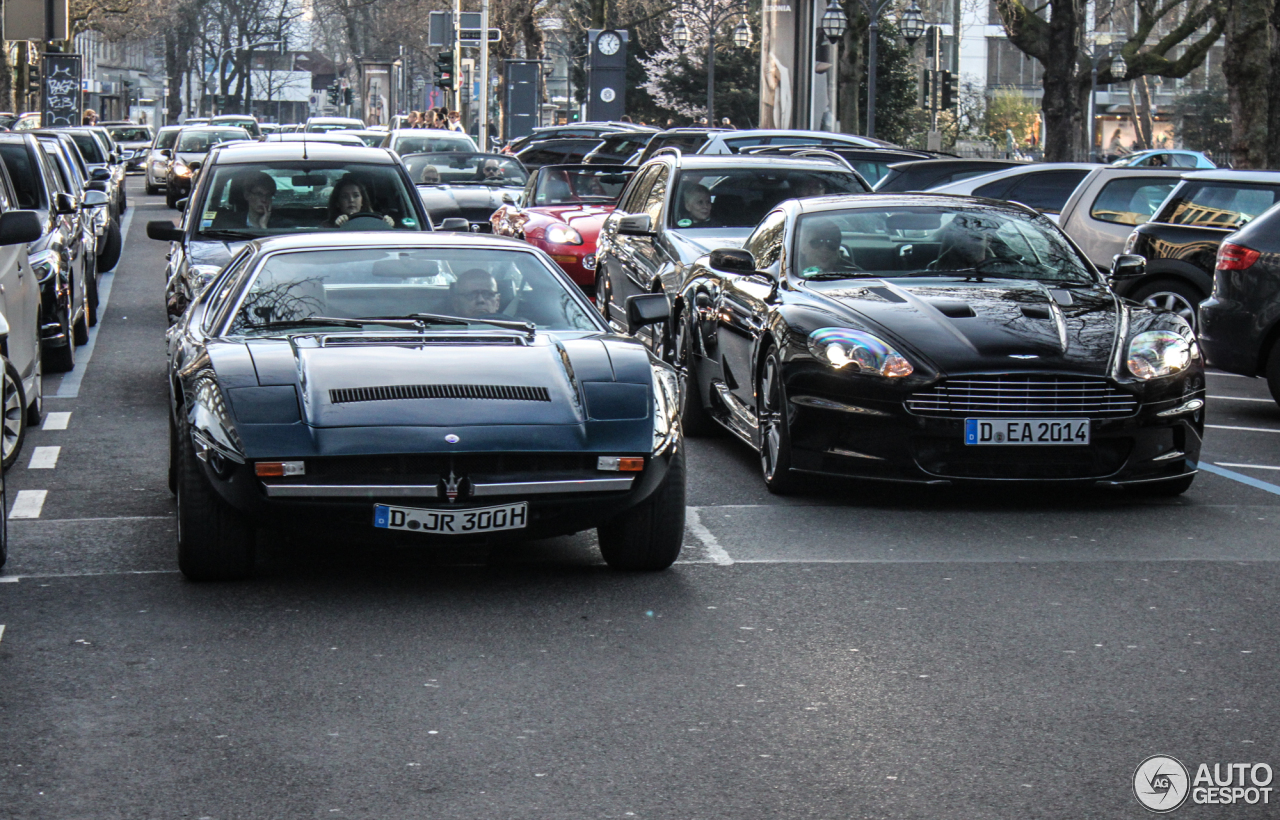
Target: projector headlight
<point>563,235</point>
<point>1158,353</point>
<point>842,347</point>
<point>181,169</point>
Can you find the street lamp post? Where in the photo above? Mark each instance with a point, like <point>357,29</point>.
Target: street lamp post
<point>713,14</point>
<point>1102,49</point>
<point>911,17</point>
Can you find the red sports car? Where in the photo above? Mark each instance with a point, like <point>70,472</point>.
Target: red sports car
<point>561,211</point>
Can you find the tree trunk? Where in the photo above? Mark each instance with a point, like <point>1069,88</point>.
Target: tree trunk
<point>1247,67</point>
<point>7,101</point>
<point>1140,113</point>
<point>851,67</point>
<point>1273,85</point>
<point>1066,91</point>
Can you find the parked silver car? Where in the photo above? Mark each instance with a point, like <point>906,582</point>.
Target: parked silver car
<point>1109,203</point>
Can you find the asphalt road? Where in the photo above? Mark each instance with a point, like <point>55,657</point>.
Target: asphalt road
<point>849,652</point>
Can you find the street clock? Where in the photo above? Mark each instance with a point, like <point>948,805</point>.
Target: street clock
<point>608,43</point>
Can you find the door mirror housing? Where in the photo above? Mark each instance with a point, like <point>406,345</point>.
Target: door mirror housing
<point>1127,266</point>
<point>166,153</point>
<point>94,199</point>
<point>455,224</point>
<point>99,175</point>
<point>635,225</point>
<point>733,260</point>
<point>19,227</point>
<point>164,230</point>
<point>182,203</point>
<point>647,309</point>
<point>64,203</point>
<point>508,198</point>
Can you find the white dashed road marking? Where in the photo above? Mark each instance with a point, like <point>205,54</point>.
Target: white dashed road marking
<point>1248,466</point>
<point>693,524</point>
<point>56,421</point>
<point>28,504</point>
<point>1,632</point>
<point>1246,429</point>
<point>44,458</point>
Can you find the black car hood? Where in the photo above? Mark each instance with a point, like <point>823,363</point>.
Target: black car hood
<point>972,326</point>
<point>549,394</point>
<point>466,201</point>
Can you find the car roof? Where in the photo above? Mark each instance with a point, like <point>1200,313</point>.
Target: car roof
<point>211,127</point>
<point>428,132</point>
<point>331,137</point>
<point>244,152</point>
<point>837,202</point>
<point>356,240</point>
<point>708,162</point>
<point>1227,175</point>
<point>332,119</point>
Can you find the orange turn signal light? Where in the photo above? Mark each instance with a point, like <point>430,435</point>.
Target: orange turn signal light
<point>279,469</point>
<point>626,464</point>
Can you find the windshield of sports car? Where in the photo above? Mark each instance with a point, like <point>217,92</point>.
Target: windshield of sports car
<point>465,169</point>
<point>199,142</point>
<point>310,289</point>
<point>129,133</point>
<point>740,198</point>
<point>571,186</point>
<point>924,241</point>
<point>431,142</point>
<point>299,196</point>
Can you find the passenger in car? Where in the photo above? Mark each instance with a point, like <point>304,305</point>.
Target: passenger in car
<point>249,197</point>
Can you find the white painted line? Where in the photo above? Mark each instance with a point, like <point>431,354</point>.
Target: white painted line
<point>56,421</point>
<point>717,554</point>
<point>1220,373</point>
<point>44,458</point>
<point>1246,429</point>
<point>1249,466</point>
<point>120,518</point>
<point>1,632</point>
<point>1241,398</point>
<point>16,578</point>
<point>28,504</point>
<point>9,579</point>
<point>69,387</point>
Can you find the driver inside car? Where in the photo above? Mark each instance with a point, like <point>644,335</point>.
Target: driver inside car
<point>349,198</point>
<point>820,249</point>
<point>430,175</point>
<point>475,295</point>
<point>492,171</point>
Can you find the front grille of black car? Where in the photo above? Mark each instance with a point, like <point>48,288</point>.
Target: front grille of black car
<point>950,458</point>
<point>489,392</point>
<point>1028,395</point>
<point>429,467</point>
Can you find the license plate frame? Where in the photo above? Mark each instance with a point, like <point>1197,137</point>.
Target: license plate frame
<point>987,432</point>
<point>448,521</point>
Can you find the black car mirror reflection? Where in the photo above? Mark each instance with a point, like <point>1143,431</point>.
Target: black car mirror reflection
<point>1127,266</point>
<point>733,260</point>
<point>99,175</point>
<point>647,309</point>
<point>454,224</point>
<point>164,230</point>
<point>19,227</point>
<point>94,198</point>
<point>635,225</point>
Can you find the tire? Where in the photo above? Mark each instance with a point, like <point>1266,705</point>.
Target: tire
<point>215,543</point>
<point>1171,294</point>
<point>62,359</point>
<point>1273,371</point>
<point>35,407</point>
<point>694,418</point>
<point>648,537</point>
<point>1169,489</point>
<point>4,521</point>
<point>80,331</point>
<point>91,295</point>
<point>111,248</point>
<point>173,457</point>
<point>170,199</point>
<point>13,406</point>
<point>775,429</point>
<point>151,189</point>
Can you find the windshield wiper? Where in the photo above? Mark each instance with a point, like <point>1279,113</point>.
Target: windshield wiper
<point>848,274</point>
<point>228,233</point>
<point>311,321</point>
<point>423,319</point>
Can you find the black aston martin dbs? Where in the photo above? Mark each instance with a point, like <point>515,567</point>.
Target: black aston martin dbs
<point>935,339</point>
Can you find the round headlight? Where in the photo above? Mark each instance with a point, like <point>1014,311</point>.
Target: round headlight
<point>1157,353</point>
<point>841,347</point>
<point>563,235</point>
<point>181,169</point>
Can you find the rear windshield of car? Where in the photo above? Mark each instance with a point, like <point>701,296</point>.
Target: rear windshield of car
<point>199,142</point>
<point>1211,204</point>
<point>322,127</point>
<point>431,143</point>
<point>1130,201</point>
<point>166,139</point>
<point>931,240</point>
<point>129,133</point>
<point>89,147</point>
<point>386,282</point>
<point>740,198</point>
<point>465,169</point>
<point>305,196</point>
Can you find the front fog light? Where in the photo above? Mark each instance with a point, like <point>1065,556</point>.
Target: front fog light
<point>1157,353</point>
<point>841,347</point>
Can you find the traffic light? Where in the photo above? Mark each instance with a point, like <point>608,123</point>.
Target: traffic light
<point>333,94</point>
<point>348,96</point>
<point>33,78</point>
<point>950,90</point>
<point>444,69</point>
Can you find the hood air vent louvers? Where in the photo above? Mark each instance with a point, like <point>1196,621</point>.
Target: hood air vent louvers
<point>489,392</point>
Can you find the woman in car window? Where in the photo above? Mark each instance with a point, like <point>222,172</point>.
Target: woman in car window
<point>350,197</point>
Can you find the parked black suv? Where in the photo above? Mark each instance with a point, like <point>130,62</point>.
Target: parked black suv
<point>1181,241</point>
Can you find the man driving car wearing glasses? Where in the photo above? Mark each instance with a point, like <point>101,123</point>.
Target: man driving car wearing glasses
<point>820,249</point>
<point>475,295</point>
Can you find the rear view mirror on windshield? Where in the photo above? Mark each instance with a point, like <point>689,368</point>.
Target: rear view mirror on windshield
<point>913,222</point>
<point>309,181</point>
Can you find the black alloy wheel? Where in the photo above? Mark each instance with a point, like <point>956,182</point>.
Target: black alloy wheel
<point>63,359</point>
<point>648,537</point>
<point>80,330</point>
<point>215,543</point>
<point>694,418</point>
<point>14,407</point>
<point>1172,295</point>
<point>111,248</point>
<point>91,288</point>
<point>775,428</point>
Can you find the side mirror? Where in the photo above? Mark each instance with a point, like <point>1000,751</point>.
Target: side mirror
<point>1127,266</point>
<point>182,203</point>
<point>164,230</point>
<point>166,153</point>
<point>99,175</point>
<point>64,203</point>
<point>507,198</point>
<point>635,225</point>
<point>93,199</point>
<point>95,185</point>
<point>19,227</point>
<point>647,309</point>
<point>455,224</point>
<point>733,260</point>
